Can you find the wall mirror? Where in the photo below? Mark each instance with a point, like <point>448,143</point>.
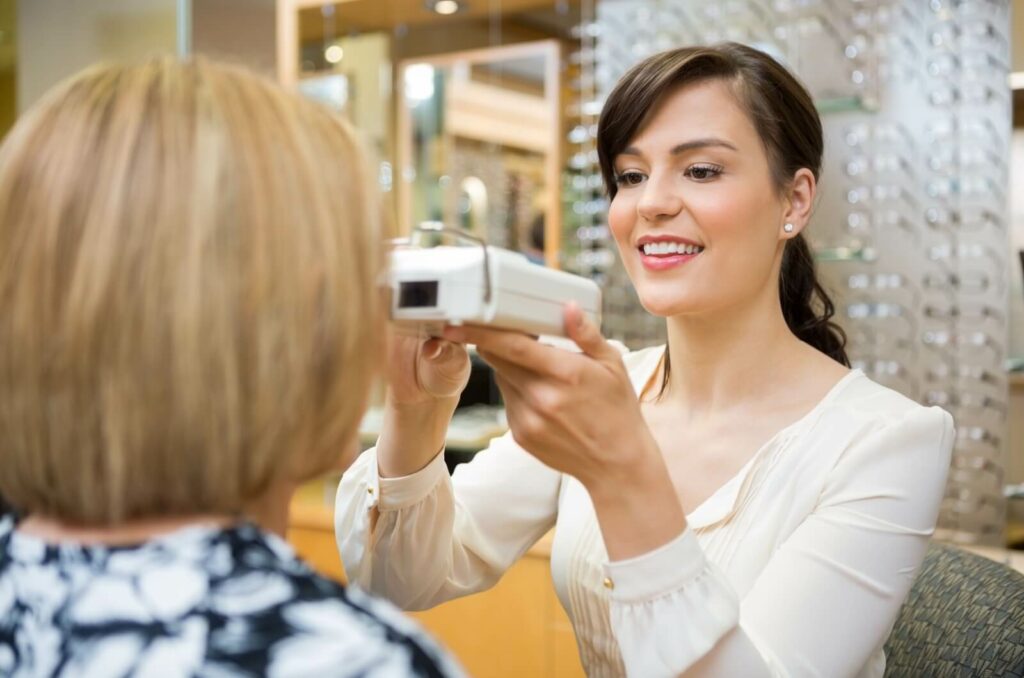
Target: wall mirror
<point>479,139</point>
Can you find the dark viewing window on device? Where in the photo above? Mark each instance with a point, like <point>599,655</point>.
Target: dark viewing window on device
<point>417,294</point>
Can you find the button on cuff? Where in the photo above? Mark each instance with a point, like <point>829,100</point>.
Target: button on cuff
<point>665,569</point>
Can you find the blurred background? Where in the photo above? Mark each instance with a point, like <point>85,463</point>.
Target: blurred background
<point>482,114</point>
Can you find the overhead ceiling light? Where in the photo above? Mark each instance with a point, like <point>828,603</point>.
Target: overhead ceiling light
<point>334,54</point>
<point>419,82</point>
<point>444,7</point>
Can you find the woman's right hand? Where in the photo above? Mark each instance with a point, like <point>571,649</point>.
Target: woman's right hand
<point>424,370</point>
<point>425,378</point>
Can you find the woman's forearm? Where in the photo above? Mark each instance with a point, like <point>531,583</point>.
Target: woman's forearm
<point>412,435</point>
<point>637,508</point>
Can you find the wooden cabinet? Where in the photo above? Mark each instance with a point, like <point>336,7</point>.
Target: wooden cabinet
<point>517,628</point>
<point>1015,460</point>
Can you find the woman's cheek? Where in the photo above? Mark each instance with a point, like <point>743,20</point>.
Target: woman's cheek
<point>620,220</point>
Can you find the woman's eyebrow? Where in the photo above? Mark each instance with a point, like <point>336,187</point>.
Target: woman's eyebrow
<point>685,146</point>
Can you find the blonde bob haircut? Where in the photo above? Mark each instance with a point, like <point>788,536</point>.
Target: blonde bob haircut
<point>188,309</point>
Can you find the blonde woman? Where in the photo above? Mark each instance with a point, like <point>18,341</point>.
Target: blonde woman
<point>189,329</point>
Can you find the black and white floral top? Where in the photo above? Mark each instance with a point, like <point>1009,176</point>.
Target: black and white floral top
<point>202,601</point>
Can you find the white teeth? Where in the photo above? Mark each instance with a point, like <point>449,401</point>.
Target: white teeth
<point>662,248</point>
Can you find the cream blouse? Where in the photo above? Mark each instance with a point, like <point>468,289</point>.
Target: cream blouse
<point>797,566</point>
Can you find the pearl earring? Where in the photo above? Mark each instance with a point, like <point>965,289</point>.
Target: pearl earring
<point>788,228</point>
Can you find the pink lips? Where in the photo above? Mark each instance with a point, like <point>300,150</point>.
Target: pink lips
<point>663,262</point>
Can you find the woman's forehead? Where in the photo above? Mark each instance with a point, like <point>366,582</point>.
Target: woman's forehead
<point>704,110</point>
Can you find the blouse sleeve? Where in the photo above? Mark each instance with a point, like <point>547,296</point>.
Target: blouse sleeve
<point>426,538</point>
<point>827,598</point>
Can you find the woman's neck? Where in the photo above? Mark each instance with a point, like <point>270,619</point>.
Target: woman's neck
<point>138,531</point>
<point>726,358</point>
<point>269,511</point>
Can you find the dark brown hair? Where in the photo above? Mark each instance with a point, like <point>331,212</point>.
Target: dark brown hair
<point>784,116</point>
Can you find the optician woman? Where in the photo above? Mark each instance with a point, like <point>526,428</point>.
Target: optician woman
<point>739,503</point>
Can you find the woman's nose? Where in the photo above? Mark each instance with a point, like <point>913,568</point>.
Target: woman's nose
<point>660,199</point>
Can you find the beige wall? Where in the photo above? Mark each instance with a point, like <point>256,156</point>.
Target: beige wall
<point>8,60</point>
<point>1016,348</point>
<point>1015,451</point>
<point>240,31</point>
<point>59,37</point>
<point>367,63</point>
<point>1017,19</point>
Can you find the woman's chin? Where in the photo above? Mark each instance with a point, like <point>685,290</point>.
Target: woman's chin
<point>668,303</point>
<point>666,307</point>
<point>667,298</point>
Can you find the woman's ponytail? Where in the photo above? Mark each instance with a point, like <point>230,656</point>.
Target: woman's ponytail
<point>806,306</point>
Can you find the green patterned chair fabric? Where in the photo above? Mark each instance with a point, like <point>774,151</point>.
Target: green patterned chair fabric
<point>964,617</point>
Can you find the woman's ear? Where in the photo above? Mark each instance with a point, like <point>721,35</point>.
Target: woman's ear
<point>801,202</point>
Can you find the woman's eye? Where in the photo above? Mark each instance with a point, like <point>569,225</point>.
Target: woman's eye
<point>703,172</point>
<point>629,178</point>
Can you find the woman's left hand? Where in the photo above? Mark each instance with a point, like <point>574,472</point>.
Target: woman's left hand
<point>576,412</point>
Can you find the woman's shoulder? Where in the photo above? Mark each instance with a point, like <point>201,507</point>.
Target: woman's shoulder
<point>312,625</point>
<point>866,416</point>
<point>234,601</point>
<point>322,628</point>
<point>862,399</point>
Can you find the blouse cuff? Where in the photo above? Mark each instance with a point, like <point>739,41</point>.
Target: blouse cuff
<point>668,568</point>
<point>673,587</point>
<point>397,493</point>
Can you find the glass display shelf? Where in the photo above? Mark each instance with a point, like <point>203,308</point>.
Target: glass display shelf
<point>849,104</point>
<point>858,253</point>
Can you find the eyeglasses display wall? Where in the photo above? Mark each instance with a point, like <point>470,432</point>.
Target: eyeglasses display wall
<point>911,228</point>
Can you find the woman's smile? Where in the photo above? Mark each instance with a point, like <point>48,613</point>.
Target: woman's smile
<point>662,253</point>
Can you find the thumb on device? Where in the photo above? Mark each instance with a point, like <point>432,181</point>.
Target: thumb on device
<point>586,334</point>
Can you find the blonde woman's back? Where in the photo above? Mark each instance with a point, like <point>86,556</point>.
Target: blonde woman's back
<point>188,263</point>
<point>199,601</point>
